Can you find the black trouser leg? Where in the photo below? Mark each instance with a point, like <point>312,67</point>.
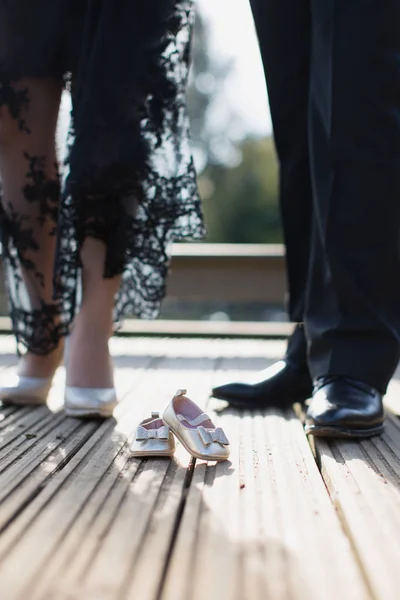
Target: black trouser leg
<point>353,312</point>
<point>283,28</point>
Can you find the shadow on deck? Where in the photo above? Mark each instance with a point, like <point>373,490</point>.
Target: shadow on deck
<point>80,519</point>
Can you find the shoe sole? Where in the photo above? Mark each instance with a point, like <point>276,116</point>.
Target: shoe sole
<point>199,456</point>
<point>151,455</point>
<point>88,414</point>
<point>193,453</point>
<point>24,401</point>
<point>342,433</point>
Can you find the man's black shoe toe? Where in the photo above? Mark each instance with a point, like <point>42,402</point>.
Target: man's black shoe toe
<point>344,408</point>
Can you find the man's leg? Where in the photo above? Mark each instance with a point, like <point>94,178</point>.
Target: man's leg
<point>353,312</point>
<point>284,33</point>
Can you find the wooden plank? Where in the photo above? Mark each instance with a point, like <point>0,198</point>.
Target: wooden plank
<point>233,280</point>
<point>21,425</point>
<point>253,352</point>
<point>26,446</point>
<point>232,272</point>
<point>90,522</point>
<point>194,250</point>
<point>166,515</point>
<point>263,525</point>
<point>146,510</point>
<point>31,471</point>
<point>91,462</point>
<point>187,328</point>
<point>25,453</point>
<point>29,462</point>
<point>211,503</point>
<point>10,415</point>
<point>364,482</point>
<point>12,541</point>
<point>392,398</point>
<point>83,514</point>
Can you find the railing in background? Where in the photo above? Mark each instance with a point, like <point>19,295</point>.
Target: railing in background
<point>233,273</point>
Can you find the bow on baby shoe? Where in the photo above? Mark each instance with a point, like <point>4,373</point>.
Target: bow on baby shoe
<point>162,433</point>
<point>209,436</point>
<point>153,438</point>
<point>195,429</point>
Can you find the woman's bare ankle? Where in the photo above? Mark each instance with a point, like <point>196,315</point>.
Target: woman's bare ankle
<point>42,366</point>
<point>89,364</point>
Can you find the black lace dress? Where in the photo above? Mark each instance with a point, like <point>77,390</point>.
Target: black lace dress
<point>128,178</point>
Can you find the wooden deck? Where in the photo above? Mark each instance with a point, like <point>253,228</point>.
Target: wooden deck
<point>81,520</point>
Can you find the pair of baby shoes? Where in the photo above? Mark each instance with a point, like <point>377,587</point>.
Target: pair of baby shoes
<point>184,420</point>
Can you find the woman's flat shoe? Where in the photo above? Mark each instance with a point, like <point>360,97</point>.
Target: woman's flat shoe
<point>195,430</point>
<point>90,402</point>
<point>25,390</point>
<point>153,438</point>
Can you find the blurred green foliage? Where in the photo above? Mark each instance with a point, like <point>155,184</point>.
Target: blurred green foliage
<point>238,178</point>
<point>240,203</point>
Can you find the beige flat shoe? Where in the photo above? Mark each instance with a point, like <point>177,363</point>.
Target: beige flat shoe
<point>153,438</point>
<point>25,390</point>
<point>195,430</point>
<point>89,402</point>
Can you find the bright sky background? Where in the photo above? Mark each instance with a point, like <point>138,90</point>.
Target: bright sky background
<point>233,36</point>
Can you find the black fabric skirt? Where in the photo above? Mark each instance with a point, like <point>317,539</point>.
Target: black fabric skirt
<point>128,178</point>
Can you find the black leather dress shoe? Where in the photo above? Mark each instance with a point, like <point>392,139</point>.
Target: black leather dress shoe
<point>285,382</point>
<point>342,407</point>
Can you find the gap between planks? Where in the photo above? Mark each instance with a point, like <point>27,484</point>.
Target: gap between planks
<point>363,479</point>
<point>262,525</point>
<point>52,570</point>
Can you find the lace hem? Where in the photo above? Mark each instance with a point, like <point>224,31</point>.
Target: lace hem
<point>128,179</point>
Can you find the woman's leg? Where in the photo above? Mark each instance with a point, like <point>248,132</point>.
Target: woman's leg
<point>30,185</point>
<point>89,362</point>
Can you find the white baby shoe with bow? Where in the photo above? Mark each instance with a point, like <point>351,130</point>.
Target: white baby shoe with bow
<point>153,438</point>
<point>195,430</point>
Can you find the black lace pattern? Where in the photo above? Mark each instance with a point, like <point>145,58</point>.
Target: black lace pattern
<point>128,178</point>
